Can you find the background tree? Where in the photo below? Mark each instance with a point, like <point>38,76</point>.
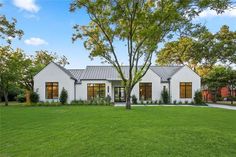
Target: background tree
<point>179,52</point>
<point>11,63</point>
<point>201,52</point>
<point>225,44</point>
<point>8,29</point>
<point>36,63</point>
<point>140,24</point>
<point>231,81</point>
<point>216,79</point>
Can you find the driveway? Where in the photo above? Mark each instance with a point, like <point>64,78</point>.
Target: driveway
<point>222,106</point>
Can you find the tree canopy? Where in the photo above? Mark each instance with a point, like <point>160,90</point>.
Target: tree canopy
<point>8,29</point>
<point>11,68</point>
<point>201,51</point>
<point>141,25</point>
<point>218,77</point>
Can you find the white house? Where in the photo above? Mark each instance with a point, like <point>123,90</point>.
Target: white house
<point>101,81</point>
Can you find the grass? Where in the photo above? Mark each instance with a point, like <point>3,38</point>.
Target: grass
<point>113,131</point>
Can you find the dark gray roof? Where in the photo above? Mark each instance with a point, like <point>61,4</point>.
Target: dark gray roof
<point>110,73</point>
<point>165,72</point>
<point>103,73</point>
<point>76,73</point>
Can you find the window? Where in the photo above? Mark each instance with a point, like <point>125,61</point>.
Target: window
<point>51,90</point>
<point>185,89</point>
<point>96,90</point>
<point>145,91</point>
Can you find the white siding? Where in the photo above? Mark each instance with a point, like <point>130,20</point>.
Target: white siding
<point>81,89</point>
<point>185,74</point>
<point>156,85</point>
<point>52,73</point>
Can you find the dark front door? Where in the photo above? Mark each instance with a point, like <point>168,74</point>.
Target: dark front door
<point>119,94</point>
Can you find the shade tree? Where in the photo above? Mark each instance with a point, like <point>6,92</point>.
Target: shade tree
<point>141,25</point>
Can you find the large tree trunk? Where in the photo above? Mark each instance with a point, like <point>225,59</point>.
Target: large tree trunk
<point>6,97</point>
<point>27,96</point>
<point>128,103</point>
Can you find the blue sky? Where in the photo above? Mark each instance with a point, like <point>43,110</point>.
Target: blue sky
<point>47,25</point>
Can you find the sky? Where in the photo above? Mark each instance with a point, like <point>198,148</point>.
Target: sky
<point>48,25</point>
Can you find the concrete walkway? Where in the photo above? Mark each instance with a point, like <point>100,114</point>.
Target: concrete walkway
<point>222,106</point>
<point>123,104</point>
<point>209,105</point>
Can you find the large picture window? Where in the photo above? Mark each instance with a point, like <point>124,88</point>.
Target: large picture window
<point>185,89</point>
<point>96,90</point>
<point>145,91</point>
<point>51,90</point>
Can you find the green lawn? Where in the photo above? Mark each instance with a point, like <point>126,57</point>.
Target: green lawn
<point>75,131</point>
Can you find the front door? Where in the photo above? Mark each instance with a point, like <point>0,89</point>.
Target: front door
<point>119,95</point>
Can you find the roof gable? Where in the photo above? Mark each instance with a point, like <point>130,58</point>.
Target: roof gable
<point>61,68</point>
<point>165,72</point>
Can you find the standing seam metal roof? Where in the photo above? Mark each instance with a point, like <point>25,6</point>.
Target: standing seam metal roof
<point>110,73</point>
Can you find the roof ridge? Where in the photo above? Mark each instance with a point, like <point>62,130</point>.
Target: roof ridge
<point>75,69</point>
<point>138,66</point>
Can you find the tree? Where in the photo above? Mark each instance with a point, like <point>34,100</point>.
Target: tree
<point>178,52</point>
<point>225,44</point>
<point>216,79</point>
<point>63,96</point>
<point>231,81</point>
<point>11,63</point>
<point>140,24</point>
<point>8,29</point>
<point>202,51</point>
<point>36,63</point>
<point>165,96</point>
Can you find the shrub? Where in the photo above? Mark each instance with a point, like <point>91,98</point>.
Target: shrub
<point>192,102</point>
<point>186,102</point>
<point>141,101</point>
<point>63,96</point>
<point>34,97</point>
<point>174,102</point>
<point>21,98</point>
<point>231,98</point>
<point>198,97</point>
<point>47,103</point>
<point>77,102</point>
<point>108,99</point>
<point>180,102</point>
<point>97,101</point>
<point>155,102</point>
<point>134,99</point>
<point>165,96</point>
<point>160,102</point>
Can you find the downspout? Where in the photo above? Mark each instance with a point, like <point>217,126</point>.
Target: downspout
<point>169,89</point>
<point>75,90</point>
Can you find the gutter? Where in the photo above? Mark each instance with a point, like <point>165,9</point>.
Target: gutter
<point>169,89</point>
